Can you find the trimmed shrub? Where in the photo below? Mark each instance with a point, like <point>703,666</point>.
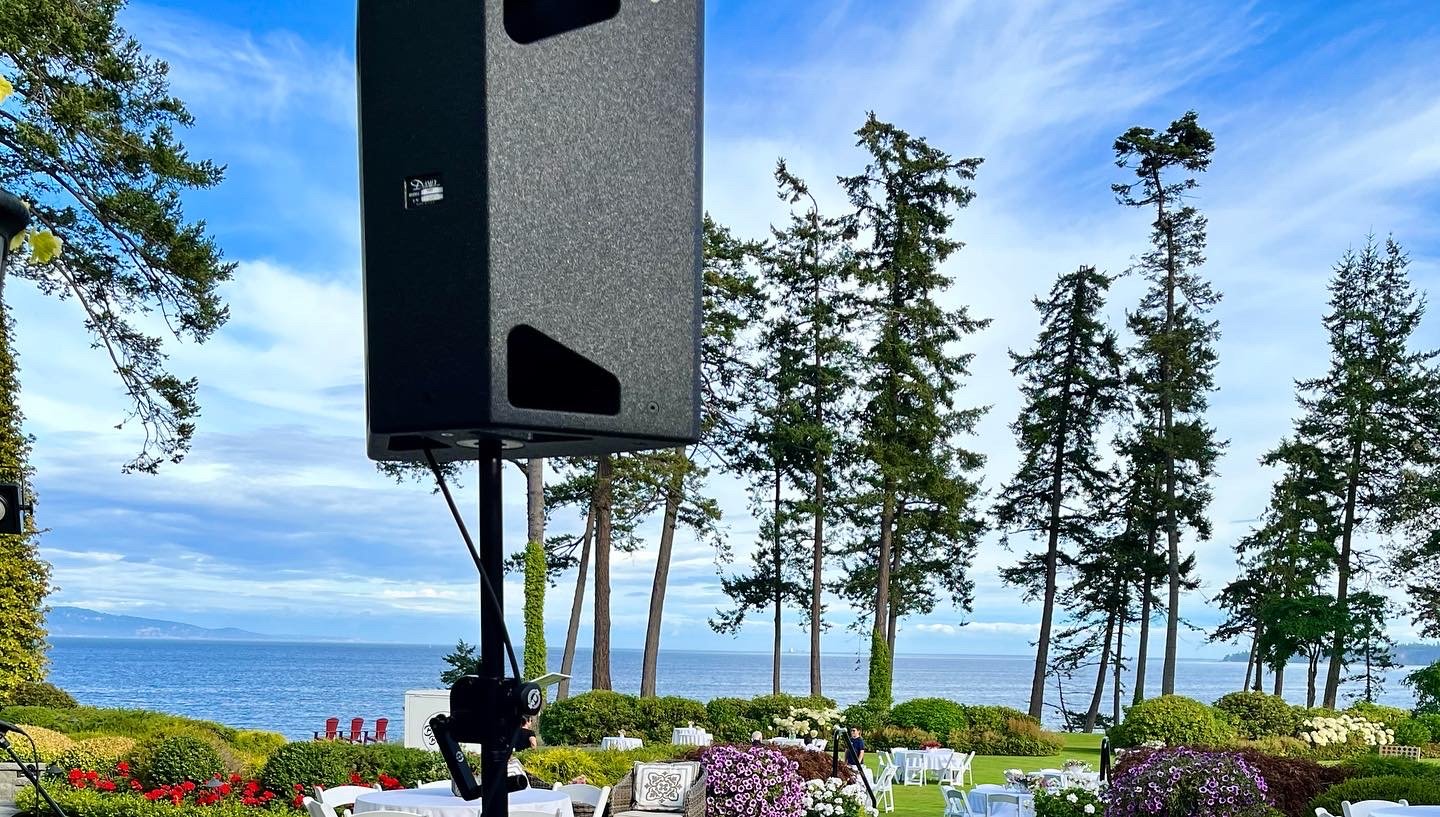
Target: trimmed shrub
<point>562,764</point>
<point>588,717</point>
<point>309,763</point>
<point>935,715</point>
<point>255,746</point>
<point>866,716</point>
<point>40,693</point>
<point>1173,720</point>
<point>816,765</point>
<point>140,724</point>
<point>766,708</point>
<point>49,743</point>
<point>1293,782</point>
<point>1017,737</point>
<point>1411,732</point>
<point>1256,715</point>
<point>892,737</point>
<point>1418,791</point>
<point>1377,766</point>
<point>91,803</point>
<point>1431,722</point>
<point>729,720</point>
<point>1279,747</point>
<point>406,764</point>
<point>176,759</point>
<point>1391,716</point>
<point>95,754</point>
<point>994,718</point>
<point>655,717</point>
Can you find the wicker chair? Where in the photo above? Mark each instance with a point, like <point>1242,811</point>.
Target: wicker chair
<point>622,798</point>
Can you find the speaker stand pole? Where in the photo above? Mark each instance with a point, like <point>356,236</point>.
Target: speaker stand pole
<point>495,755</point>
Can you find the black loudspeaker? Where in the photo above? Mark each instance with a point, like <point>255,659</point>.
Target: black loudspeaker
<point>530,188</point>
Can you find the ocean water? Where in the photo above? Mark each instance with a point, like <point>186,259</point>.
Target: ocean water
<point>292,688</point>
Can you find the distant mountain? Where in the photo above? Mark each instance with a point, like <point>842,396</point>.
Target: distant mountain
<point>1406,655</point>
<point>79,622</point>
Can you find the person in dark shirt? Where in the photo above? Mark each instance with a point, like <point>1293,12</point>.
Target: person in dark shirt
<point>857,747</point>
<point>525,738</point>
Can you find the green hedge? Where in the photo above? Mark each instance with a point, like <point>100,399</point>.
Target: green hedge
<point>1377,766</point>
<point>590,716</point>
<point>586,718</point>
<point>91,721</point>
<point>935,715</point>
<point>309,763</point>
<point>1173,719</point>
<point>892,737</point>
<point>1418,791</point>
<point>1391,716</point>
<point>176,759</point>
<point>1255,715</point>
<point>560,765</point>
<point>1019,737</point>
<point>867,716</point>
<point>90,803</point>
<point>730,721</point>
<point>39,693</point>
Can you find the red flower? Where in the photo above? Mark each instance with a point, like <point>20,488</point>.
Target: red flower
<point>267,796</point>
<point>298,787</point>
<point>356,779</point>
<point>105,785</point>
<point>92,775</point>
<point>122,767</point>
<point>136,785</point>
<point>235,778</point>
<point>224,789</point>
<point>187,787</point>
<point>154,794</point>
<point>177,797</point>
<point>298,802</point>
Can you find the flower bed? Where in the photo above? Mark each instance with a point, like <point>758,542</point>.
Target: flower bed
<point>753,781</point>
<point>1185,782</point>
<point>833,797</point>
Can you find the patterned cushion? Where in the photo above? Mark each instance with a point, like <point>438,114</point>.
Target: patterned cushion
<point>662,786</point>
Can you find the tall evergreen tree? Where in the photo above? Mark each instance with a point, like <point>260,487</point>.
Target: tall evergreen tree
<point>917,480</point>
<point>1071,382</point>
<point>24,577</point>
<point>535,653</point>
<point>1372,413</point>
<point>1174,336</point>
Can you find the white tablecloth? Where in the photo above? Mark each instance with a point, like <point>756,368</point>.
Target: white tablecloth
<point>795,742</point>
<point>439,802</point>
<point>1407,811</point>
<point>979,797</point>
<point>935,759</point>
<point>690,736</point>
<point>620,744</point>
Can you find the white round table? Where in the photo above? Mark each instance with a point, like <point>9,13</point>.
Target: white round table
<point>438,802</point>
<point>935,759</point>
<point>795,743</point>
<point>689,736</point>
<point>1407,811</point>
<point>620,744</point>
<point>979,796</point>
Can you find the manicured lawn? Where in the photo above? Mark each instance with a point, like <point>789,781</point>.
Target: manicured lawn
<point>924,801</point>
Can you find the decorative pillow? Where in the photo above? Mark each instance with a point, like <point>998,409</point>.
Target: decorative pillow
<point>662,786</point>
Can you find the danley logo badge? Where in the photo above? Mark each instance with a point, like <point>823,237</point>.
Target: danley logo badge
<point>424,190</point>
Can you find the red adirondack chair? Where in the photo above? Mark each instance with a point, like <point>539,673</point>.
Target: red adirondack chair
<point>332,730</point>
<point>357,730</point>
<point>378,736</point>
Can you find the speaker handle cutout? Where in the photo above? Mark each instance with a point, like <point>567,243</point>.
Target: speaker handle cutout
<point>546,375</point>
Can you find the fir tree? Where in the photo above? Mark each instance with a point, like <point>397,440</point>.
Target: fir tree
<point>1371,415</point>
<point>465,660</point>
<point>916,480</point>
<point>1071,383</point>
<point>1174,337</point>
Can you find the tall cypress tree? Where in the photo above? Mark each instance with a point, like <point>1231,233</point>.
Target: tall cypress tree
<point>917,481</point>
<point>1372,414</point>
<point>1174,336</point>
<point>24,578</point>
<point>1072,384</point>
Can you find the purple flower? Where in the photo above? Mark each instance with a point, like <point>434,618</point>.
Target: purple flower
<point>1181,782</point>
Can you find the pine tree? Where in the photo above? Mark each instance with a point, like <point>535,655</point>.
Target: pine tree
<point>916,480</point>
<point>465,660</point>
<point>1370,644</point>
<point>1371,414</point>
<point>1174,337</point>
<point>24,578</point>
<point>1072,384</point>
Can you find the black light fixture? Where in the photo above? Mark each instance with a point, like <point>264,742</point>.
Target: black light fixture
<point>14,218</point>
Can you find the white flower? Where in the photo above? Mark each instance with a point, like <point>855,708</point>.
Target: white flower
<point>1072,798</point>
<point>1089,809</point>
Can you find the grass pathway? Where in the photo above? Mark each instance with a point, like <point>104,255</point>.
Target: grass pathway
<point>925,801</point>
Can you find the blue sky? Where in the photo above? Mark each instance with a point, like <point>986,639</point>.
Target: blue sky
<point>1325,117</point>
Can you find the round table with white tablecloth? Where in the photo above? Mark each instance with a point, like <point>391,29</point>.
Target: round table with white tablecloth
<point>440,802</point>
<point>1406,811</point>
<point>620,744</point>
<point>795,743</point>
<point>935,759</point>
<point>690,736</point>
<point>979,797</point>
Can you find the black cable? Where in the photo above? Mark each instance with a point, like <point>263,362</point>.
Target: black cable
<point>487,589</point>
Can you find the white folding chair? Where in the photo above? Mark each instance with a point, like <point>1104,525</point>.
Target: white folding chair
<point>956,804</point>
<point>1053,780</point>
<point>1009,804</point>
<point>955,768</point>
<point>315,808</point>
<point>1322,812</point>
<point>594,796</point>
<point>341,796</point>
<point>435,784</point>
<point>1364,808</point>
<point>884,788</point>
<point>524,812</point>
<point>915,767</point>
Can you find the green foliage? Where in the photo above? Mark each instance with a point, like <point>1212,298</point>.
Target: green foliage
<point>1391,716</point>
<point>1425,683</point>
<point>765,708</point>
<point>655,717</point>
<point>1257,715</point>
<point>1432,723</point>
<point>255,747</point>
<point>406,764</point>
<point>89,721</point>
<point>993,718</point>
<point>24,577</point>
<point>309,763</point>
<point>1174,720</point>
<point>935,715</point>
<point>1418,791</point>
<point>898,737</point>
<point>49,743</point>
<point>880,671</point>
<point>89,140</point>
<point>561,764</point>
<point>730,721</point>
<point>95,754</point>
<point>1411,732</point>
<point>588,717</point>
<point>1059,804</point>
<point>91,803</point>
<point>535,655</point>
<point>175,759</point>
<point>1289,747</point>
<point>1372,765</point>
<point>39,693</point>
<point>1021,737</point>
<point>464,661</point>
<point>866,716</point>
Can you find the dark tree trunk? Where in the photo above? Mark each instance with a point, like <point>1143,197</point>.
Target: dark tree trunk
<point>779,590</point>
<point>572,634</point>
<point>1342,577</point>
<point>600,658</point>
<point>674,491</point>
<point>1093,714</point>
<point>1142,653</point>
<point>1119,668</point>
